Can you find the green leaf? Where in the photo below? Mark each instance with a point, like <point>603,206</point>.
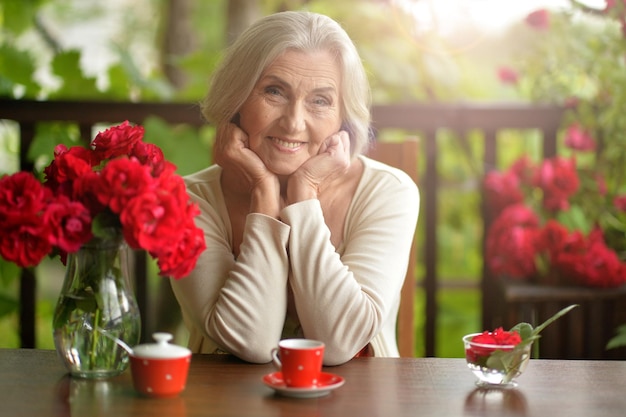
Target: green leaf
<point>9,272</point>
<point>525,330</point>
<point>8,305</point>
<point>619,340</point>
<point>18,15</point>
<point>499,360</point>
<point>181,144</point>
<point>576,219</point>
<point>151,88</point>
<point>75,84</point>
<point>119,85</point>
<point>86,301</point>
<point>16,68</point>
<point>47,136</point>
<point>106,225</point>
<point>554,318</point>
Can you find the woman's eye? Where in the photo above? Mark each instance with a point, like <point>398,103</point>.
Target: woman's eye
<point>272,91</point>
<point>321,101</point>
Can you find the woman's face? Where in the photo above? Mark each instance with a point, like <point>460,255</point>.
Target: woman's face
<point>292,109</point>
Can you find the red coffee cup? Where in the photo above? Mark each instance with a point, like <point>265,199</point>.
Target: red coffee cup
<point>300,361</point>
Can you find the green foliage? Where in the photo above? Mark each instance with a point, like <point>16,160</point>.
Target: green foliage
<point>75,84</point>
<point>17,15</point>
<point>9,273</point>
<point>185,147</point>
<point>619,340</point>
<point>8,304</point>
<point>457,315</point>
<point>211,40</point>
<point>47,137</point>
<point>16,69</point>
<point>127,80</point>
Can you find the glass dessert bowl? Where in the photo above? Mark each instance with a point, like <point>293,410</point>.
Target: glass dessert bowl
<point>496,365</point>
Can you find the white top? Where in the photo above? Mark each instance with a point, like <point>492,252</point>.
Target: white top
<point>345,297</point>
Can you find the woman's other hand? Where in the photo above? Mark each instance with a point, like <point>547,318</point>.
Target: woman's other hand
<point>242,165</point>
<point>331,162</point>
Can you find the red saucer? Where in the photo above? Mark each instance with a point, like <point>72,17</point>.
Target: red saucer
<point>326,383</point>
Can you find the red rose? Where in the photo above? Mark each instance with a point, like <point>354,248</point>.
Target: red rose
<point>522,168</point>
<point>579,139</point>
<point>620,202</point>
<point>610,4</point>
<point>552,238</point>
<point>539,19</point>
<point>571,102</point>
<point>68,165</point>
<point>152,220</point>
<point>558,180</point>
<point>503,339</point>
<point>70,224</point>
<point>24,237</point>
<point>508,75</point>
<point>122,180</point>
<point>152,156</point>
<point>117,141</point>
<point>511,246</point>
<point>590,262</point>
<point>502,190</point>
<point>86,190</point>
<point>177,261</point>
<point>498,337</point>
<point>24,240</point>
<point>21,193</point>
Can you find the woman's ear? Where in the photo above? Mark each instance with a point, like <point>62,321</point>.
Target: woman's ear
<point>346,127</point>
<point>235,119</point>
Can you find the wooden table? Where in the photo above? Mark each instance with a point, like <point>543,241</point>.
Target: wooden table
<point>34,383</point>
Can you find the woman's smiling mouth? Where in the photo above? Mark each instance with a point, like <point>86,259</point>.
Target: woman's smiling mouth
<point>286,144</point>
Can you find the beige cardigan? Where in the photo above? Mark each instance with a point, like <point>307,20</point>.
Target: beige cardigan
<point>346,297</point>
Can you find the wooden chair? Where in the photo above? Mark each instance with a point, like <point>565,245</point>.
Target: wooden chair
<point>403,155</point>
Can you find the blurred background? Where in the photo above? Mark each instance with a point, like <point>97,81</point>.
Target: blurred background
<point>477,51</point>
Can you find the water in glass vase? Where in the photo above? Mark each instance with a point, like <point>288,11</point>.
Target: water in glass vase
<point>96,306</point>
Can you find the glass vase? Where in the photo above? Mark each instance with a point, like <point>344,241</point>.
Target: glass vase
<point>96,310</point>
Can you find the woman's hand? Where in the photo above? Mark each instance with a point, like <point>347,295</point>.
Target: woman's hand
<point>331,162</point>
<point>245,170</point>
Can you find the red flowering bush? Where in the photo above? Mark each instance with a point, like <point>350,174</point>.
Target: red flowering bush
<point>120,186</point>
<point>564,221</point>
<point>552,221</point>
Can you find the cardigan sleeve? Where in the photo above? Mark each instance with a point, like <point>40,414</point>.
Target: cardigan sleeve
<point>239,304</point>
<point>346,300</point>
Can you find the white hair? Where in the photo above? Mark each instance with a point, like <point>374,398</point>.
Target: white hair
<point>268,38</point>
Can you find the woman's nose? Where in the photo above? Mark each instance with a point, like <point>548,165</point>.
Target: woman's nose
<point>294,118</point>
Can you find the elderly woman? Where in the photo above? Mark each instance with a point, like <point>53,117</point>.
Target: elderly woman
<point>306,237</point>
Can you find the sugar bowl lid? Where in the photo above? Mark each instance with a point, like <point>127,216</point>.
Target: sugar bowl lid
<point>161,349</point>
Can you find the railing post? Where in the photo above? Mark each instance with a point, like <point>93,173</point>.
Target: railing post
<point>431,186</point>
<point>28,281</point>
<point>489,293</point>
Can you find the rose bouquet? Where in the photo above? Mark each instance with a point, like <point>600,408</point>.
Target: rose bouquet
<point>119,188</point>
<point>498,357</point>
<point>96,202</point>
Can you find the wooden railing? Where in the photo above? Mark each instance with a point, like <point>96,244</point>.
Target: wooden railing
<point>427,120</point>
